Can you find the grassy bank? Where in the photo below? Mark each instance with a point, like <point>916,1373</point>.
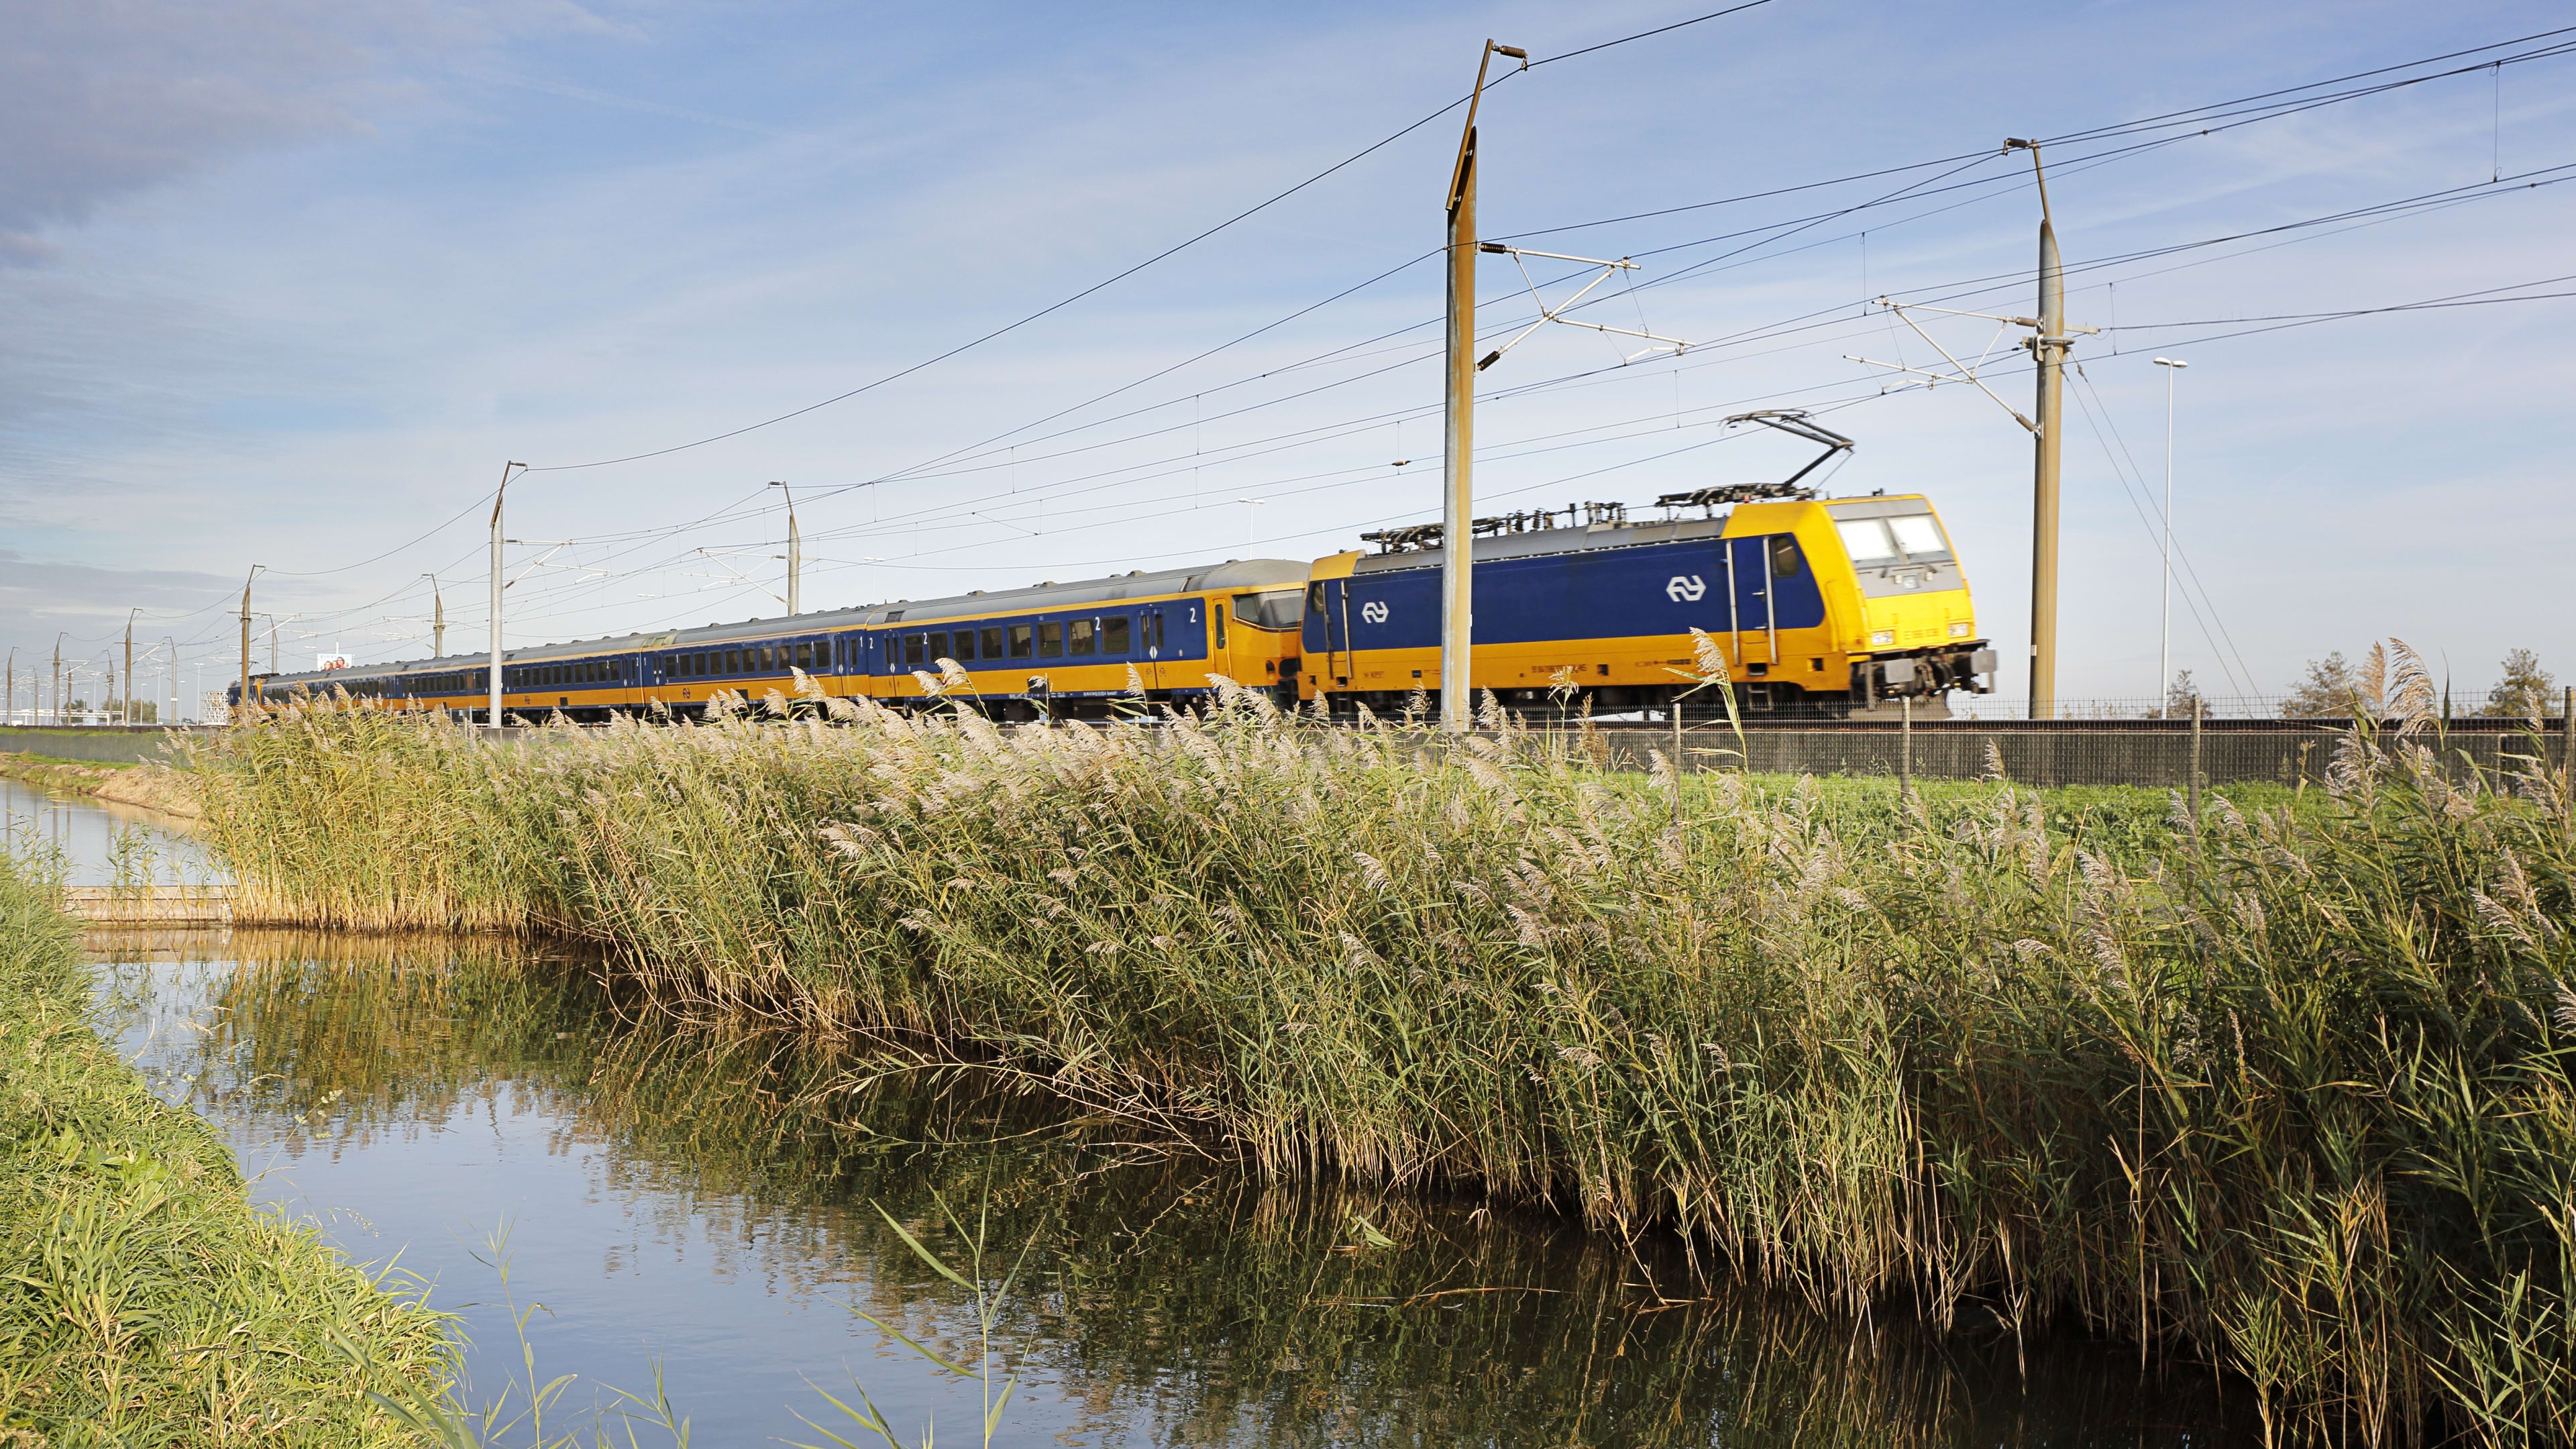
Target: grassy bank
<point>150,787</point>
<point>144,1301</point>
<point>2286,1090</point>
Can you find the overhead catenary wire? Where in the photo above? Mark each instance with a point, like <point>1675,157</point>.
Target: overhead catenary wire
<point>2166,119</point>
<point>2299,93</point>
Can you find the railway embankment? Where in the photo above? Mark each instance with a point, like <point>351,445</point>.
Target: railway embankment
<point>147,1301</point>
<point>2284,1090</point>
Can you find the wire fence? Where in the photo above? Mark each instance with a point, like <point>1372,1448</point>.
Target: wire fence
<point>2156,753</point>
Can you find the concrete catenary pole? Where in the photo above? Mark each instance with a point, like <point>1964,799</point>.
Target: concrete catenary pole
<point>241,709</point>
<point>58,679</point>
<point>2164,620</point>
<point>497,585</point>
<point>9,712</point>
<point>437,619</point>
<point>1458,492</point>
<point>129,664</point>
<point>795,551</point>
<point>173,646</point>
<point>2048,349</point>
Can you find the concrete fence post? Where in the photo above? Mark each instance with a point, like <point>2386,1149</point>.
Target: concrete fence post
<point>1905,750</point>
<point>2195,763</point>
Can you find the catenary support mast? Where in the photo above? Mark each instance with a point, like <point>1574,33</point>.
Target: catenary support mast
<point>498,584</point>
<point>1458,493</point>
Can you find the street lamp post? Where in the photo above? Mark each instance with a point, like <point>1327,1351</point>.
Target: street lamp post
<point>2164,627</point>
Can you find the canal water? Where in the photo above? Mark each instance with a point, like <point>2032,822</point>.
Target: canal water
<point>729,1209</point>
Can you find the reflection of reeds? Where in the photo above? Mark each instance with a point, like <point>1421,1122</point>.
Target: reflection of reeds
<point>2287,1089</point>
<point>1172,1290</point>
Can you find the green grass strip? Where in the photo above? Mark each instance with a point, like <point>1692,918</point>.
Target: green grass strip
<point>143,1299</point>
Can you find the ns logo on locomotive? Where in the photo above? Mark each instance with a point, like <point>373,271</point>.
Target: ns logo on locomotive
<point>1821,606</point>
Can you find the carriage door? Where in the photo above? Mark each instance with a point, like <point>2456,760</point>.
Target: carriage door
<point>1337,630</point>
<point>1748,579</point>
<point>1149,642</point>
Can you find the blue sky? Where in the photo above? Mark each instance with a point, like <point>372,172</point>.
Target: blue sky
<point>288,282</point>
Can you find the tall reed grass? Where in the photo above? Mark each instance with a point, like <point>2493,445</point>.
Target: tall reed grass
<point>2286,1091</point>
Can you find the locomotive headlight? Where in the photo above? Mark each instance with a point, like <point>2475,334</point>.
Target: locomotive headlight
<point>1958,631</point>
<point>1882,638</point>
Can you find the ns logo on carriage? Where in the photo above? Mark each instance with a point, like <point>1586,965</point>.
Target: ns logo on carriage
<point>1686,589</point>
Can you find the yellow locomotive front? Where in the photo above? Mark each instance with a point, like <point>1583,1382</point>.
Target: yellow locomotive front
<point>1908,625</point>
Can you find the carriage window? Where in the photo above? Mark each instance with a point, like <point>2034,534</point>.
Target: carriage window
<point>733,661</point>
<point>965,642</point>
<point>1020,642</point>
<point>1113,634</point>
<point>1149,629</point>
<point>1083,635</point>
<point>992,643</point>
<point>1051,639</point>
<point>1785,559</point>
<point>1919,536</point>
<point>805,655</point>
<point>938,649</point>
<point>1866,540</point>
<point>912,651</point>
<point>1278,609</point>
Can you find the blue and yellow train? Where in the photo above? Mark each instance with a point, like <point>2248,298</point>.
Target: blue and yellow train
<point>1821,606</point>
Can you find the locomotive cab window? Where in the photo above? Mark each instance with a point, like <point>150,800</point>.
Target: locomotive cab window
<point>1786,561</point>
<point>1919,534</point>
<point>1217,617</point>
<point>1867,541</point>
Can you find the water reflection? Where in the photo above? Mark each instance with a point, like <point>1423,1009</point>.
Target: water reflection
<point>708,1198</point>
<point>99,842</point>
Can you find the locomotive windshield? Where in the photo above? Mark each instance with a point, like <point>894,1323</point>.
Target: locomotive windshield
<point>1894,539</point>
